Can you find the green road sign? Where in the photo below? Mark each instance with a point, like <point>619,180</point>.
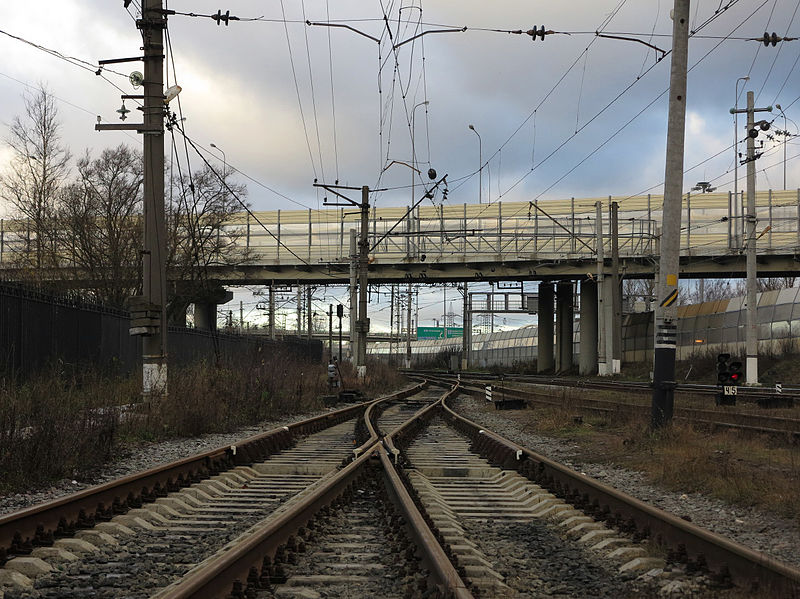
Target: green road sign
<point>438,332</point>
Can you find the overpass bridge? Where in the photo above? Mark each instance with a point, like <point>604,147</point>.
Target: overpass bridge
<point>546,240</point>
<point>555,242</point>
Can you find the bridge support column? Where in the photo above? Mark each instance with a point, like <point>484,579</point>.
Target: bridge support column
<point>608,322</point>
<point>587,357</point>
<point>178,317</point>
<point>544,359</point>
<point>205,311</point>
<point>564,318</point>
<point>205,316</point>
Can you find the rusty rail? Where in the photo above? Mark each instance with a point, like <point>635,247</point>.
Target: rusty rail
<point>40,525</point>
<point>754,423</point>
<point>243,564</point>
<point>370,414</point>
<point>743,565</point>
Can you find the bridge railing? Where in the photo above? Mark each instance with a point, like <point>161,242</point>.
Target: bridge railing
<point>711,224</point>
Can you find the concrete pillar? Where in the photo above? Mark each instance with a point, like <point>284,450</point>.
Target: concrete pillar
<point>608,322</point>
<point>544,360</point>
<point>587,359</point>
<point>205,311</point>
<point>205,316</point>
<point>178,317</point>
<point>564,318</point>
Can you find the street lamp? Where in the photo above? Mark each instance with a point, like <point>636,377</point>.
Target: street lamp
<point>785,140</point>
<point>413,149</point>
<point>736,202</point>
<point>413,182</point>
<point>480,163</point>
<point>224,160</point>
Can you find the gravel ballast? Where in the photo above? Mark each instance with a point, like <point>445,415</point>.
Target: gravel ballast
<point>752,527</point>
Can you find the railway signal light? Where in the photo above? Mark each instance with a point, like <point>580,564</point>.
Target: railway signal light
<point>736,374</point>
<point>723,369</point>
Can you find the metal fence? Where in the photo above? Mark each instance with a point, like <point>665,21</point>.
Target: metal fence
<point>38,329</point>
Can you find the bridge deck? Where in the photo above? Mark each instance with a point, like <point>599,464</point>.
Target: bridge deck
<point>499,240</point>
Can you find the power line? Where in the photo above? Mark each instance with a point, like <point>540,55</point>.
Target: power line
<point>78,62</point>
<point>624,126</point>
<point>297,91</point>
<point>240,201</point>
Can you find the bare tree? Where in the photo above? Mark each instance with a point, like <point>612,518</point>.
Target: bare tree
<point>100,222</point>
<point>38,169</point>
<point>200,215</point>
<point>708,290</point>
<point>634,290</point>
<point>771,283</point>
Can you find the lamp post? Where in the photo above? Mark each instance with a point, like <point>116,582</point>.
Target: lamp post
<point>414,170</point>
<point>480,163</point>
<point>224,159</point>
<point>785,140</point>
<point>736,202</point>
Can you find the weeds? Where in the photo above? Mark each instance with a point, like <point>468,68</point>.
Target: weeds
<point>54,426</point>
<point>740,469</point>
<point>60,424</point>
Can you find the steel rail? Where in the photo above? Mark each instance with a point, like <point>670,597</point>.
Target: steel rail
<point>755,423</point>
<point>727,558</point>
<point>434,556</point>
<point>371,414</point>
<point>636,386</point>
<point>216,577</point>
<point>243,561</point>
<point>41,524</point>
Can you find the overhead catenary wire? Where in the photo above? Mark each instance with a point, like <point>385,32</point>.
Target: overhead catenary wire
<point>607,106</point>
<point>297,91</point>
<point>237,198</point>
<point>627,123</point>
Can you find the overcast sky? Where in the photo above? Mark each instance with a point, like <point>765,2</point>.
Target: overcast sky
<point>249,92</point>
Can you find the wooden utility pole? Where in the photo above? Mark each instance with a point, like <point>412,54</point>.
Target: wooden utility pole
<point>666,310</point>
<point>148,311</point>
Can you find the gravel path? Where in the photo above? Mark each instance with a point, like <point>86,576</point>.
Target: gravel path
<point>136,458</point>
<point>752,527</point>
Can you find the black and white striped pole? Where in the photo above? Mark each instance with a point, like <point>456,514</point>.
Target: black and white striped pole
<point>666,310</point>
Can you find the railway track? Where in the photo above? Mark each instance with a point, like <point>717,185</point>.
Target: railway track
<point>789,395</point>
<point>416,501</point>
<point>543,393</point>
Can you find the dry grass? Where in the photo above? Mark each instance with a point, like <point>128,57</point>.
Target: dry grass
<point>51,426</point>
<point>221,397</point>
<point>741,469</point>
<point>381,379</point>
<point>58,424</point>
